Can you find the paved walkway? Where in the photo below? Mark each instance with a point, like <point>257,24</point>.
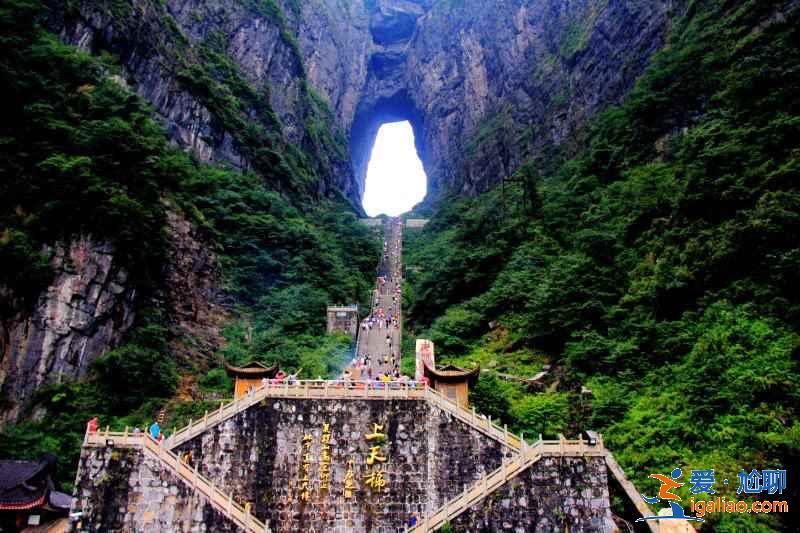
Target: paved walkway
<point>380,333</point>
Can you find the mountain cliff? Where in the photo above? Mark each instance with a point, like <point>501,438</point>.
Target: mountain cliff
<point>484,84</point>
<point>294,93</point>
<point>643,286</point>
<point>155,207</point>
<point>487,85</point>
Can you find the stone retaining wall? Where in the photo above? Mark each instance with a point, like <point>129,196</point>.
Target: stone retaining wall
<point>259,455</point>
<point>125,490</point>
<point>555,494</point>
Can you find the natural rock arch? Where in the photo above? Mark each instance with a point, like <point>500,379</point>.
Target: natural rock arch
<point>368,121</point>
<point>485,85</point>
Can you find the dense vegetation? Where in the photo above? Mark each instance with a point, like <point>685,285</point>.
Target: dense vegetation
<point>81,155</point>
<point>658,268</point>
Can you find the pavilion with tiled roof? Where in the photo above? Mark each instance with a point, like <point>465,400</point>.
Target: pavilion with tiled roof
<point>452,382</point>
<point>28,495</point>
<point>250,375</point>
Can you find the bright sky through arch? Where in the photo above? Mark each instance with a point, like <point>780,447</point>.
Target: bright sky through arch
<point>396,180</point>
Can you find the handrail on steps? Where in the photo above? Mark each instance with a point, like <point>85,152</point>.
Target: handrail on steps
<point>508,469</point>
<point>345,389</point>
<point>200,484</point>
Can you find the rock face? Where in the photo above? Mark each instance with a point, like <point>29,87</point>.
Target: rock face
<point>87,308</point>
<point>91,304</point>
<point>160,46</point>
<point>194,296</point>
<point>484,84</point>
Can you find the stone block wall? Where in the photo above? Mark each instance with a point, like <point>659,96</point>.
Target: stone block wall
<point>263,454</point>
<point>554,494</point>
<point>125,490</point>
<point>343,320</point>
<point>259,455</point>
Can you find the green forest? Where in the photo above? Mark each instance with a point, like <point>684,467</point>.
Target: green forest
<point>656,265</point>
<point>95,162</point>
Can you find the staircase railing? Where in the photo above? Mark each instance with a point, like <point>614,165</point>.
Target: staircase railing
<point>508,469</point>
<point>312,389</point>
<point>630,490</point>
<point>347,390</point>
<point>479,422</point>
<point>201,485</point>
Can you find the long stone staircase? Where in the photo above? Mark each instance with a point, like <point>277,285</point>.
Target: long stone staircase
<point>524,457</point>
<point>320,390</point>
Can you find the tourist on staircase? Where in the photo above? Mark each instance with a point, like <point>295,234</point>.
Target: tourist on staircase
<point>155,431</point>
<point>91,426</point>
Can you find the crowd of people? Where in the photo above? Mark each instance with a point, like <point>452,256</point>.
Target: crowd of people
<point>378,357</point>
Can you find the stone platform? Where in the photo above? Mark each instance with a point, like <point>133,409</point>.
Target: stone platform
<point>290,464</point>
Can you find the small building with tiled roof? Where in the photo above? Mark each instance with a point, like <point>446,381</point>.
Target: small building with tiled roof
<point>249,376</point>
<point>28,496</point>
<point>452,382</point>
<point>343,319</point>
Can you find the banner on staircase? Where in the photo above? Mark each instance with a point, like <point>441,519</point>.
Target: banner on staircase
<point>424,357</point>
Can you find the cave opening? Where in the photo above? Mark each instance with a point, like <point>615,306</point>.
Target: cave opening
<point>387,148</point>
<point>395,180</point>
